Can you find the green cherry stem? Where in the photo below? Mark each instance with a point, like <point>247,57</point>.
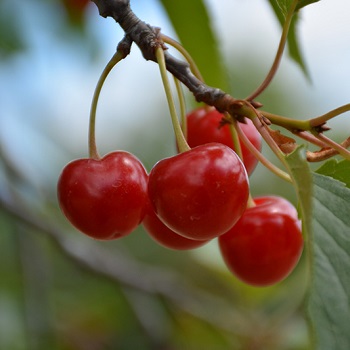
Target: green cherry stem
<point>245,108</point>
<point>182,104</point>
<point>180,138</point>
<point>327,116</point>
<point>93,153</point>
<point>264,161</point>
<point>287,123</point>
<point>238,150</point>
<point>235,137</point>
<point>279,53</point>
<point>184,53</point>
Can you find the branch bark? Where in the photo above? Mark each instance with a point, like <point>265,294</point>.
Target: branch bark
<point>148,38</point>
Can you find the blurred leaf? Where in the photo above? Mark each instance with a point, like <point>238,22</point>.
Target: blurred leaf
<point>191,22</point>
<point>328,304</point>
<point>300,172</point>
<point>338,170</point>
<point>11,39</point>
<point>280,8</point>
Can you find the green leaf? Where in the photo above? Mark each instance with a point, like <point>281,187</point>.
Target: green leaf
<point>339,170</point>
<point>191,22</point>
<point>301,175</point>
<point>329,301</point>
<point>325,206</point>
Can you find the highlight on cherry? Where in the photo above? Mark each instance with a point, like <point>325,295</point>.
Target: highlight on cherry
<point>201,193</point>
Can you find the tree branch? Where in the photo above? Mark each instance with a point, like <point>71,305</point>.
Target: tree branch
<point>148,38</point>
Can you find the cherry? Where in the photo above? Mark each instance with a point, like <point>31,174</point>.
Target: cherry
<point>266,243</point>
<point>104,198</point>
<point>201,193</point>
<point>166,237</point>
<point>203,126</point>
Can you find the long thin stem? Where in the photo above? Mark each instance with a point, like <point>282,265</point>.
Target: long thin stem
<point>329,115</point>
<point>184,53</point>
<point>277,171</point>
<point>238,150</point>
<point>245,108</point>
<point>182,104</point>
<point>287,123</point>
<point>93,153</point>
<point>310,138</point>
<point>180,139</point>
<point>279,53</point>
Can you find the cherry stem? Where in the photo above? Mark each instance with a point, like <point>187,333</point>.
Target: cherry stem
<point>245,108</point>
<point>327,116</point>
<point>279,53</point>
<point>235,137</point>
<point>258,155</point>
<point>310,138</point>
<point>287,123</point>
<point>93,153</point>
<point>185,54</point>
<point>182,104</point>
<point>180,138</point>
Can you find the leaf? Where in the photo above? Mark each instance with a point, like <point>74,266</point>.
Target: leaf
<point>328,303</point>
<point>191,22</point>
<point>325,208</point>
<point>339,170</point>
<point>301,175</point>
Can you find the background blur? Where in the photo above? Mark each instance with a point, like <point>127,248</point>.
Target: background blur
<point>62,290</point>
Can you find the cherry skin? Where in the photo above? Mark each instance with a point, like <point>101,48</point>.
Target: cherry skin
<point>106,198</point>
<point>199,194</point>
<point>166,237</point>
<point>266,243</point>
<point>203,126</point>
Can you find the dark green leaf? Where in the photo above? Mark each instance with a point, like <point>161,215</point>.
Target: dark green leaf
<point>191,22</point>
<point>339,170</point>
<point>329,304</point>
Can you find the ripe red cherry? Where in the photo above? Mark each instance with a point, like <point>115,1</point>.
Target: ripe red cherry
<point>203,127</point>
<point>266,243</point>
<point>105,198</point>
<point>200,194</point>
<point>164,236</point>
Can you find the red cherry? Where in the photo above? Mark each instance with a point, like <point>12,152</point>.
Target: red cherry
<point>266,243</point>
<point>164,236</point>
<point>203,126</point>
<point>104,198</point>
<point>200,194</point>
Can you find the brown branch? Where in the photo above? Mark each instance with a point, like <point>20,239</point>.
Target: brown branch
<point>326,153</point>
<point>148,38</point>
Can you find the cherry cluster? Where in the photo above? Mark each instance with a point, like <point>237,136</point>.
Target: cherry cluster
<point>188,200</point>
